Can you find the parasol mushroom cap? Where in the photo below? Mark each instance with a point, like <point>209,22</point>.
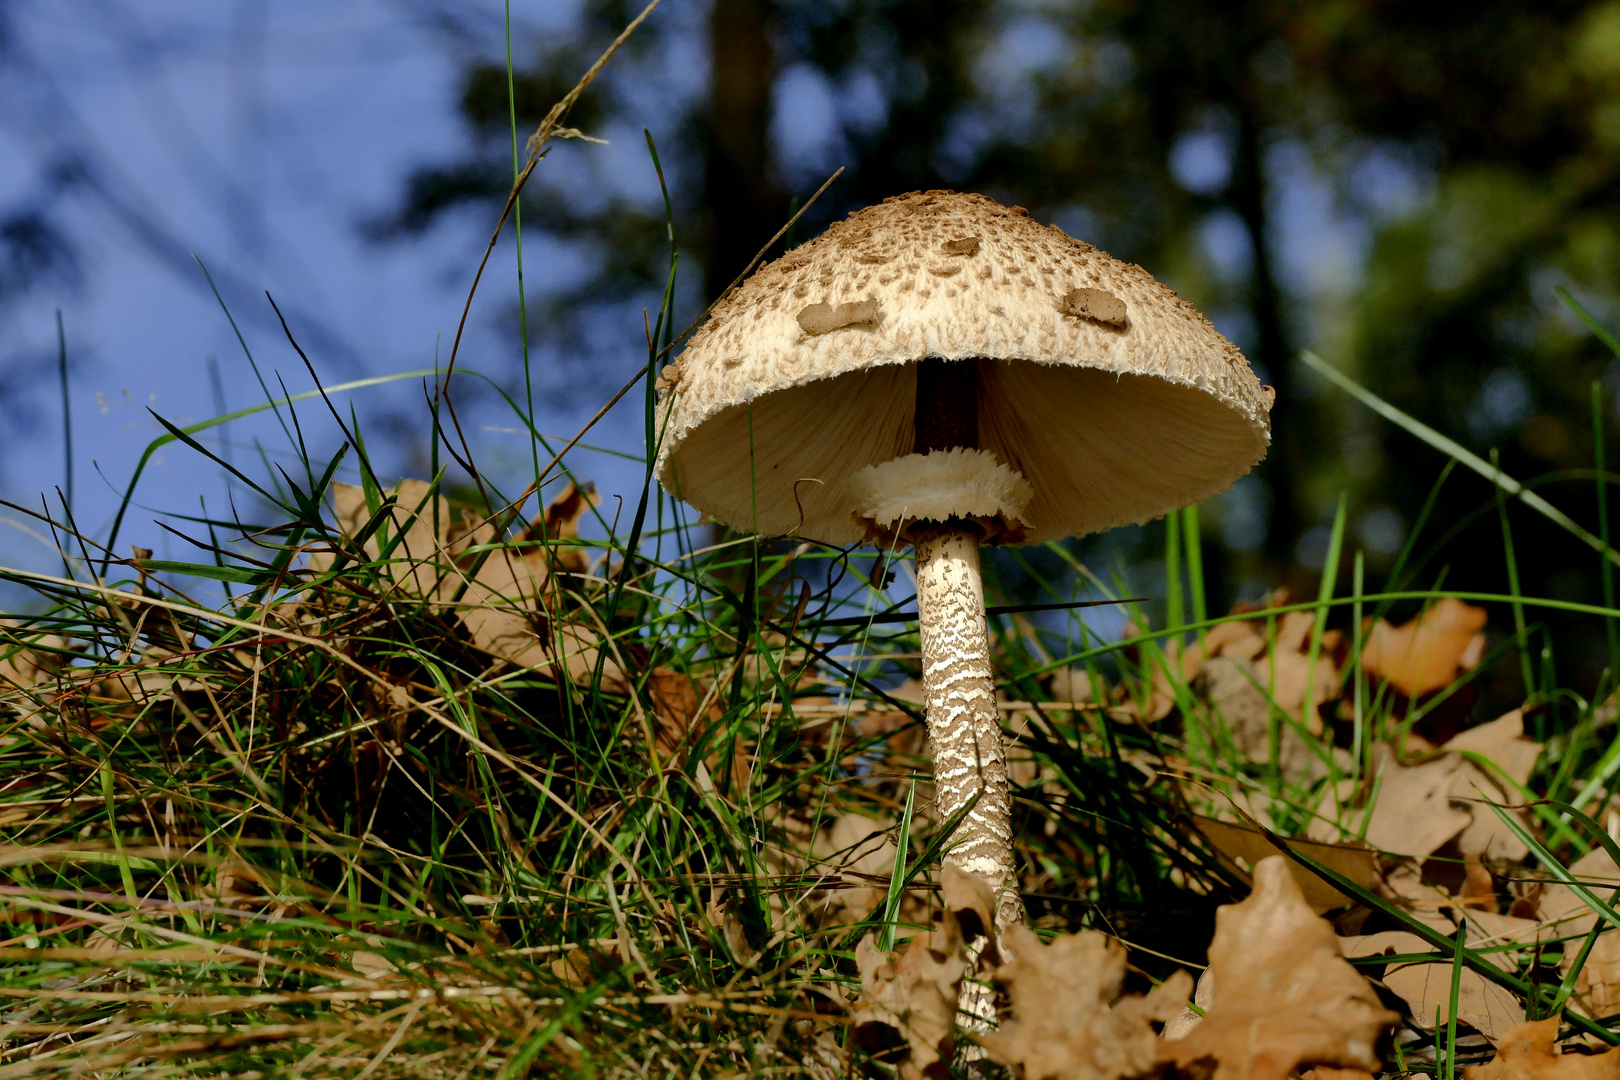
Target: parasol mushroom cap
<point>1113,397</point>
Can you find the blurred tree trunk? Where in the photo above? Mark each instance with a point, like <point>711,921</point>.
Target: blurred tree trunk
<point>741,200</point>
<point>1249,197</point>
<point>744,206</point>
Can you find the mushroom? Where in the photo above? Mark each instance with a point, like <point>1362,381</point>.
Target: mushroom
<point>950,373</point>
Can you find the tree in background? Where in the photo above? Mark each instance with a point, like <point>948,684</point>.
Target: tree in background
<point>1463,155</point>
<point>34,249</point>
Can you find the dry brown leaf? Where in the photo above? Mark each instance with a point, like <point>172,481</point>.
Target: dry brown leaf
<point>854,844</point>
<point>1426,986</point>
<point>23,661</point>
<point>1413,814</point>
<point>418,518</point>
<point>723,918</point>
<point>1486,928</point>
<point>1421,808</point>
<point>909,1001</point>
<point>1180,1024</point>
<point>508,580</point>
<point>677,704</point>
<point>559,526</point>
<point>1241,644</point>
<point>499,593</point>
<point>1288,672</point>
<point>1430,651</point>
<point>1424,901</point>
<point>1597,986</point>
<point>1501,742</point>
<point>497,602</point>
<point>1284,996</point>
<point>1239,640</point>
<point>969,905</point>
<point>1074,684</point>
<point>1352,860</point>
<point>1327,1072</point>
<point>1069,1021</point>
<point>1560,904</point>
<point>907,1009</point>
<point>581,965</point>
<point>1529,1052</point>
<point>1234,692</point>
<point>1162,695</point>
<point>1478,888</point>
<point>1383,943</point>
<point>1245,688</point>
<point>1482,1005</point>
<point>373,970</point>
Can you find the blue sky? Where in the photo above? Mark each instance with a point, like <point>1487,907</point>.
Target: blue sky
<point>258,135</point>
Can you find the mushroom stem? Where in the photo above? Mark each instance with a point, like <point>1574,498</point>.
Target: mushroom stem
<point>959,691</point>
<point>964,730</point>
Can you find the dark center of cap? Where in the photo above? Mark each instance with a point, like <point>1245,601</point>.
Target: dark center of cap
<point>947,405</point>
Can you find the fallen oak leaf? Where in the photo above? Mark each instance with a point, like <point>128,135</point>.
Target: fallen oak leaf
<point>27,658</point>
<point>1353,860</point>
<point>1235,656</point>
<point>1566,915</point>
<point>1428,652</point>
<point>1328,1072</point>
<point>1425,986</point>
<point>1069,1020</point>
<point>855,844</point>
<point>1413,814</point>
<point>1288,671</point>
<point>677,705</point>
<point>1183,1022</point>
<point>1284,997</point>
<point>1529,1052</point>
<point>412,528</point>
<point>908,1003</point>
<point>559,526</point>
<point>1245,682</point>
<point>906,1013</point>
<point>729,929</point>
<point>1481,1004</point>
<point>1501,742</point>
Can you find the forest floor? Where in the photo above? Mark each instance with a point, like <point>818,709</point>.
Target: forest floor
<point>396,780</point>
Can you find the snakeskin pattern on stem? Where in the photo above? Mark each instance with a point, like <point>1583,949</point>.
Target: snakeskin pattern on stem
<point>964,732</point>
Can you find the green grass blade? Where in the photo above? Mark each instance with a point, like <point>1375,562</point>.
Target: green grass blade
<point>1555,866</point>
<point>1193,545</point>
<point>1471,958</point>
<point>1450,1068</point>
<point>1324,595</point>
<point>1453,449</point>
<point>1511,561</point>
<point>1598,329</point>
<point>1611,627</point>
<point>897,877</point>
<point>1174,614</point>
<point>236,575</point>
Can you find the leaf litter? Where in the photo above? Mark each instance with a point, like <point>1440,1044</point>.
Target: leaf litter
<point>1278,996</point>
<point>1530,1052</point>
<point>1283,997</point>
